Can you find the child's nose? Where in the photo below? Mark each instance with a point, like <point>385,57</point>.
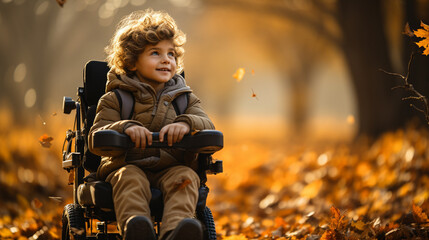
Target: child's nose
<point>165,59</point>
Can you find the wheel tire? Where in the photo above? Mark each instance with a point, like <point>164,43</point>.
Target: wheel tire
<point>209,229</point>
<point>73,223</point>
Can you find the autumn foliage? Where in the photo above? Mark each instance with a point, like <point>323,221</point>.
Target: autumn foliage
<point>369,189</point>
<point>423,33</point>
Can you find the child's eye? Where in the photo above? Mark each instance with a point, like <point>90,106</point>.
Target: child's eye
<point>171,54</point>
<point>154,53</point>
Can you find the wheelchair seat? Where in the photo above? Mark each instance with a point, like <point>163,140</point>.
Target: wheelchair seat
<point>98,194</point>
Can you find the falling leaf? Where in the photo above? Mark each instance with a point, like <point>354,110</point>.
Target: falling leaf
<point>407,30</point>
<point>254,95</point>
<point>239,74</point>
<point>423,33</point>
<point>61,2</point>
<point>45,140</point>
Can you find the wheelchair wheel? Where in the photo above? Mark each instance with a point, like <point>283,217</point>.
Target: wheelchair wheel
<point>73,223</point>
<point>206,218</point>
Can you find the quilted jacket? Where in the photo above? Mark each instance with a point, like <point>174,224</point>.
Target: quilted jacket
<point>152,111</point>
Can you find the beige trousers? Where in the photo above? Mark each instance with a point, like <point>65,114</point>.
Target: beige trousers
<point>131,194</point>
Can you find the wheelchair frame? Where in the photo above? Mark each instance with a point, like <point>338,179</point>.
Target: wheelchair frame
<point>81,216</point>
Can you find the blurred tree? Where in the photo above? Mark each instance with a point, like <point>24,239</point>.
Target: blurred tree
<point>26,28</point>
<point>365,47</point>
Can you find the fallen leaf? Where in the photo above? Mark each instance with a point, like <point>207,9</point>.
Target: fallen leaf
<point>183,184</point>
<point>419,215</point>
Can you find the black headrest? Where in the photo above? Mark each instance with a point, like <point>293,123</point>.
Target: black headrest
<point>94,81</point>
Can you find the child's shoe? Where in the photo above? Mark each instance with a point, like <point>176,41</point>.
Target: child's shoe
<point>139,227</point>
<point>188,228</point>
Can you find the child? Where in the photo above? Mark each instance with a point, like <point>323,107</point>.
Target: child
<point>145,56</point>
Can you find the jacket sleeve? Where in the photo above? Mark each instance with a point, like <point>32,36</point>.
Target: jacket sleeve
<point>195,116</point>
<point>108,116</point>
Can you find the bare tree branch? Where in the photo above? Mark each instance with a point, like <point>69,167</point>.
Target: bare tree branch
<point>415,95</point>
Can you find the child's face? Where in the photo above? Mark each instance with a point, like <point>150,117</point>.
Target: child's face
<point>156,65</point>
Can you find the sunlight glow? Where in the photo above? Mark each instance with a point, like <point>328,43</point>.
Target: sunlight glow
<point>137,2</point>
<point>181,3</point>
<point>30,98</point>
<point>90,2</point>
<point>322,159</point>
<point>409,154</point>
<point>41,8</point>
<point>20,72</point>
<point>106,10</point>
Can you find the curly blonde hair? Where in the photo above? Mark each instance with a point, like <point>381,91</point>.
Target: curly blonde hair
<point>137,30</point>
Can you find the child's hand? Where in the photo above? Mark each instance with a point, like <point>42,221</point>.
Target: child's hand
<point>175,132</point>
<point>139,135</point>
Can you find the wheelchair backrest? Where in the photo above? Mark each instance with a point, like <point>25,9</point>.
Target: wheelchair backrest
<point>94,84</point>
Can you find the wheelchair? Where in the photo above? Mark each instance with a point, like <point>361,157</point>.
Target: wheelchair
<point>92,199</point>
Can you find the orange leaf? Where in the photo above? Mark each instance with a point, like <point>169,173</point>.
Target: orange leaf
<point>254,95</point>
<point>45,140</point>
<point>239,74</point>
<point>335,212</point>
<point>183,184</point>
<point>419,215</point>
<point>423,33</point>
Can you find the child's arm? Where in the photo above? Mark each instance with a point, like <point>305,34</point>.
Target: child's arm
<point>108,116</point>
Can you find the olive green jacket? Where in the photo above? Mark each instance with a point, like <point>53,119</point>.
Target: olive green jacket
<point>151,111</point>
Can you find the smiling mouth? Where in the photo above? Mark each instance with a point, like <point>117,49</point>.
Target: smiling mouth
<point>163,69</point>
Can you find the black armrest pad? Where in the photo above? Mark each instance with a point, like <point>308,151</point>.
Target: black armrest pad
<point>205,141</point>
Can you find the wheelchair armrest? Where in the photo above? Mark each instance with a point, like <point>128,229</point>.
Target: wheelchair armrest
<point>205,141</point>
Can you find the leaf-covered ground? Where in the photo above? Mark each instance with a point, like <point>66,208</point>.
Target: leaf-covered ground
<point>363,190</point>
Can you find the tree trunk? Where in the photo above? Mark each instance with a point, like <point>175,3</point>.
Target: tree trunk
<point>365,47</point>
